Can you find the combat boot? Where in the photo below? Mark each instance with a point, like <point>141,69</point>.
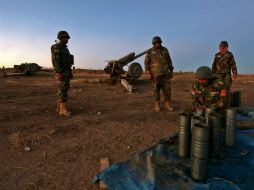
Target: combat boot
<point>157,106</point>
<point>57,106</point>
<point>63,110</point>
<point>168,106</point>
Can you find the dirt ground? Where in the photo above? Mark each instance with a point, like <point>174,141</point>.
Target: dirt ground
<point>40,150</point>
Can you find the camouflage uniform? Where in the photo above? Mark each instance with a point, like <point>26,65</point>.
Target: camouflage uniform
<point>222,66</point>
<point>159,64</point>
<point>62,61</point>
<point>211,95</point>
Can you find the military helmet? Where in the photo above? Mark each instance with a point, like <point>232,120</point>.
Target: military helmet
<point>156,39</point>
<point>224,43</point>
<point>204,72</point>
<point>62,34</point>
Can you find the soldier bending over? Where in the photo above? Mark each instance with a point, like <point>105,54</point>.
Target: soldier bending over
<point>208,91</point>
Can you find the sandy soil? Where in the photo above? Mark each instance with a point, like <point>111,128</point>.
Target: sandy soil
<point>40,150</point>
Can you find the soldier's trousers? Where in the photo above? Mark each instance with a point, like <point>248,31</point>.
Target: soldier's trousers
<point>225,77</point>
<point>162,83</point>
<point>228,80</point>
<point>63,87</point>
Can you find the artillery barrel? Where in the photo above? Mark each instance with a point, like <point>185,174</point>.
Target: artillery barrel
<point>139,55</point>
<point>126,59</point>
<point>130,57</point>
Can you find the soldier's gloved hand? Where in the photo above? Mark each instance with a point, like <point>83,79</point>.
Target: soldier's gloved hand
<point>171,75</point>
<point>201,107</point>
<point>149,76</point>
<point>213,107</point>
<point>219,104</point>
<point>59,76</point>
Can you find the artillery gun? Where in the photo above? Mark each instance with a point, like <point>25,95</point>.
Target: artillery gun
<point>27,68</point>
<point>115,68</point>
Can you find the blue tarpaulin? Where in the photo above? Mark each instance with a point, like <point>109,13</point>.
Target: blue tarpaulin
<point>160,168</point>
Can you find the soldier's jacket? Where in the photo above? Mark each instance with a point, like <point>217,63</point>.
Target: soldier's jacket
<point>223,64</point>
<point>61,58</point>
<point>214,94</point>
<point>158,62</point>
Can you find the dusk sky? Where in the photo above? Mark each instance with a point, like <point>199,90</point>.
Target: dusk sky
<point>108,29</point>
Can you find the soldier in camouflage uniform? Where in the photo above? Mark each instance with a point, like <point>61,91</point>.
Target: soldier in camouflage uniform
<point>224,63</point>
<point>208,91</point>
<point>62,62</point>
<point>158,65</point>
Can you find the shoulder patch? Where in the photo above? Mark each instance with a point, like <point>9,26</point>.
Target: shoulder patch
<point>223,92</point>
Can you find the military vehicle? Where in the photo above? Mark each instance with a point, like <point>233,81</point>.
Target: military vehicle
<point>27,68</point>
<point>115,68</point>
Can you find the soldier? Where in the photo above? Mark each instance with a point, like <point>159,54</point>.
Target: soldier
<point>62,61</point>
<point>208,91</point>
<point>224,63</point>
<point>158,65</point>
<point>4,72</point>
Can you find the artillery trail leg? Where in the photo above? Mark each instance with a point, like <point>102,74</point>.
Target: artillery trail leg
<point>128,86</point>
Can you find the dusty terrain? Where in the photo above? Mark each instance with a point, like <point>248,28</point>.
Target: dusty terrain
<point>40,150</point>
